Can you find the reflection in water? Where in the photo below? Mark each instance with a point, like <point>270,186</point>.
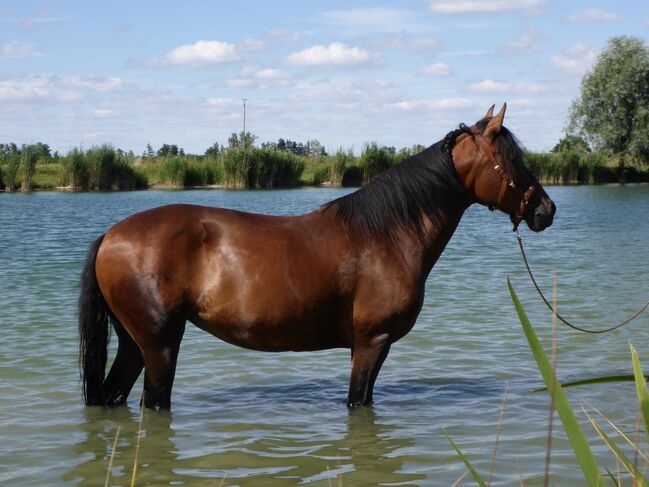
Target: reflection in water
<point>207,449</point>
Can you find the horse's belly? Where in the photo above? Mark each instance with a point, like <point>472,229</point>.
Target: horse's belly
<point>317,329</point>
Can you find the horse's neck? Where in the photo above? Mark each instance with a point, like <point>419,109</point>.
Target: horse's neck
<point>424,252</point>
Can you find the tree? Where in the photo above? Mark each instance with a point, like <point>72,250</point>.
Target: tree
<point>169,150</point>
<point>571,142</point>
<point>612,112</point>
<point>239,141</point>
<point>213,150</point>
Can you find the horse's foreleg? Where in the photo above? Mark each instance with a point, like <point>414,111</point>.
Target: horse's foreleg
<point>160,359</point>
<point>125,370</point>
<point>367,358</point>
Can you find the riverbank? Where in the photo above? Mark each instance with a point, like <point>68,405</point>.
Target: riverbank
<point>104,168</point>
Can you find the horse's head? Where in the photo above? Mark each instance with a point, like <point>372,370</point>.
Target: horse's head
<point>489,163</point>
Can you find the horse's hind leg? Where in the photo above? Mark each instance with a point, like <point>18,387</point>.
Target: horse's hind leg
<point>125,370</point>
<point>367,359</point>
<point>160,357</point>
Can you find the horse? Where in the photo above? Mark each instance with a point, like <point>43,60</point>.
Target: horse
<point>350,274</point>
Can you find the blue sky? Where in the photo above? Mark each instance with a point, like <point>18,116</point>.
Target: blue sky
<point>345,73</point>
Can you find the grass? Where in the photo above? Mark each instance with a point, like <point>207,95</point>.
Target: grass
<point>104,167</point>
<point>592,473</point>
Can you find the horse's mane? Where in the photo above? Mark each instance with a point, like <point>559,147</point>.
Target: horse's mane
<point>424,183</point>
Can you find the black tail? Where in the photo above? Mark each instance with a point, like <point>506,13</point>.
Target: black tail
<point>94,332</point>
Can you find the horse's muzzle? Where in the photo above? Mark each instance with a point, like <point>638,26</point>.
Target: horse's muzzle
<point>542,216</point>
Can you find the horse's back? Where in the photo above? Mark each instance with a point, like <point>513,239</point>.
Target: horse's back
<point>264,282</point>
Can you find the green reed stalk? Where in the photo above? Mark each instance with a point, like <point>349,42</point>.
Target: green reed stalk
<point>580,446</point>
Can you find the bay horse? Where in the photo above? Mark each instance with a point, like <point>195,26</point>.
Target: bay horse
<point>350,274</point>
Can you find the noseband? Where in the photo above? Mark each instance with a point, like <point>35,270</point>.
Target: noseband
<point>508,183</point>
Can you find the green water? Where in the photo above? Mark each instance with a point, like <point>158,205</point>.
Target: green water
<point>279,419</point>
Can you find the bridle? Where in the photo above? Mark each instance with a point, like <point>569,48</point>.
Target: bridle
<point>508,183</point>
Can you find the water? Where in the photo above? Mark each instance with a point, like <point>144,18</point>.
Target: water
<point>279,419</point>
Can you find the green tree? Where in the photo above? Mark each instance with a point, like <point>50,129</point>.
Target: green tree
<point>213,150</point>
<point>236,141</point>
<point>571,142</point>
<point>612,112</point>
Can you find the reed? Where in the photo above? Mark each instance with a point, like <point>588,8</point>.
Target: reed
<point>11,172</point>
<point>374,160</point>
<point>261,168</point>
<point>593,475</point>
<point>341,161</point>
<point>28,160</point>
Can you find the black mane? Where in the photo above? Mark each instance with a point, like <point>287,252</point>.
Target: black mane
<point>424,183</point>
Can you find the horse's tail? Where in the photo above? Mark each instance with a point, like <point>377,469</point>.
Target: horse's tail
<point>94,331</point>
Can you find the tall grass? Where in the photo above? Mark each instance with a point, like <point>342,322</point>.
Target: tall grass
<point>28,160</point>
<point>261,168</point>
<point>374,160</point>
<point>100,168</point>
<point>11,172</point>
<point>341,161</point>
<point>572,167</point>
<point>593,475</point>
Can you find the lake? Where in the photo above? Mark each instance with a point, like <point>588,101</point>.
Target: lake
<point>251,418</point>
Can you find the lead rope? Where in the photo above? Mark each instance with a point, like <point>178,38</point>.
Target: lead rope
<point>561,318</point>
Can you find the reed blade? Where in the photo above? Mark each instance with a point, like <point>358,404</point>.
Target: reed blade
<point>628,464</point>
<point>641,388</point>
<point>580,445</point>
<point>476,476</point>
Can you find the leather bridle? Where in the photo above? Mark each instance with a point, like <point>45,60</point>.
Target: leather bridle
<point>508,183</point>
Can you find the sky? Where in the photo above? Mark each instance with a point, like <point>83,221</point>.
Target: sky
<point>132,73</point>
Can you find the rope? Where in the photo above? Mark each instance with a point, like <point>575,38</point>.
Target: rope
<point>561,318</point>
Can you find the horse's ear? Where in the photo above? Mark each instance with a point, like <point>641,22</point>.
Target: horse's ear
<point>495,124</point>
<point>490,113</point>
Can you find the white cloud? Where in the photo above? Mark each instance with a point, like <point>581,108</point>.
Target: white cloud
<point>443,103</point>
<point>250,45</point>
<point>424,45</point>
<point>493,87</point>
<point>36,88</point>
<point>335,54</point>
<point>18,49</point>
<point>437,69</point>
<point>202,53</point>
<point>376,19</point>
<point>92,83</point>
<point>250,77</point>
<point>282,36</point>
<point>526,43</point>
<point>576,59</point>
<point>594,14</point>
<point>219,102</point>
<point>475,6</point>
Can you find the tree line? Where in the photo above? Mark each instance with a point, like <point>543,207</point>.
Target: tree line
<point>606,139</point>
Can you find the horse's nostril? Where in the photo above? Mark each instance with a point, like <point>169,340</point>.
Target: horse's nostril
<point>553,209</point>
